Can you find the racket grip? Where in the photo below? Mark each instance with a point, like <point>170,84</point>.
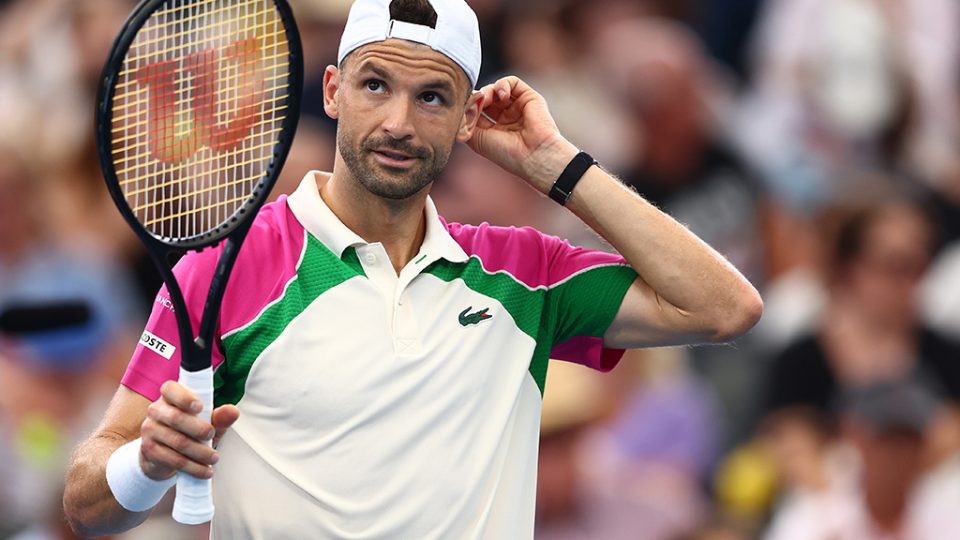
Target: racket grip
<point>194,501</point>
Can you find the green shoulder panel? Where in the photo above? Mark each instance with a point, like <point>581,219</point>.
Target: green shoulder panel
<point>319,271</point>
<point>585,304</point>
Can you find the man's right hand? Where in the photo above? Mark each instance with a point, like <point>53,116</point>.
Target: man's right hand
<point>174,438</point>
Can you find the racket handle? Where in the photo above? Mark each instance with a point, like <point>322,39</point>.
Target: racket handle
<point>194,502</point>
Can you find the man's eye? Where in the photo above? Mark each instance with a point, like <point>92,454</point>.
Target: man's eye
<point>431,98</point>
<point>374,86</point>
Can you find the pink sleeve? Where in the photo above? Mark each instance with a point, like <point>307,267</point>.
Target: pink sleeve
<point>267,260</point>
<point>157,356</point>
<point>589,351</point>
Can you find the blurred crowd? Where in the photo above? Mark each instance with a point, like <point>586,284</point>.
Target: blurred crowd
<point>815,143</point>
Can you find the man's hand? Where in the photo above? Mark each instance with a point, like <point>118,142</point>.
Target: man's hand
<point>174,438</point>
<point>523,137</point>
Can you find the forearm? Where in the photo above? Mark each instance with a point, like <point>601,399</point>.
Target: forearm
<point>680,268</point>
<point>88,503</point>
<point>686,292</point>
<point>701,295</point>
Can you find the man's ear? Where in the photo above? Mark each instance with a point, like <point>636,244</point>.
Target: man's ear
<point>470,117</point>
<point>331,85</point>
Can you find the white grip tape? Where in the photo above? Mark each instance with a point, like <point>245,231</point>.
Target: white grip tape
<point>134,490</point>
<point>194,502</point>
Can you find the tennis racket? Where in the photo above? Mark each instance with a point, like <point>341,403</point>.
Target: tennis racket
<point>197,109</point>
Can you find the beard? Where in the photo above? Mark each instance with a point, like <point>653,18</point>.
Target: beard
<point>396,185</point>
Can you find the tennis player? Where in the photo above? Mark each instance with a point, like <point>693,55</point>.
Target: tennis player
<point>379,369</point>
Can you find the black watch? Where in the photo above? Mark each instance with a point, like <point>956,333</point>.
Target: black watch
<point>563,188</point>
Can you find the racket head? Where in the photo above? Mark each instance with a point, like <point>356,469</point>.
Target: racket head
<point>197,109</point>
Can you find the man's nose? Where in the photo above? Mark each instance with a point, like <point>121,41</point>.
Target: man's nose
<point>398,123</point>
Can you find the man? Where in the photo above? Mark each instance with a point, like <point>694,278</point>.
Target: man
<point>882,487</point>
<point>381,369</point>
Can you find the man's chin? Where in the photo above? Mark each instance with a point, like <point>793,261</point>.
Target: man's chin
<point>393,187</point>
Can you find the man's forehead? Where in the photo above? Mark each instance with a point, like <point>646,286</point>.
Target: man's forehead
<point>412,59</point>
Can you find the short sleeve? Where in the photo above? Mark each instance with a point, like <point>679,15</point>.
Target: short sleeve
<point>586,291</point>
<point>156,358</point>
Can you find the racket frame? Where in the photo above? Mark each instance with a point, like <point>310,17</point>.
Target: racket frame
<point>196,349</point>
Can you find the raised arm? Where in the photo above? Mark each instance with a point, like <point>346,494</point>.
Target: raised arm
<point>686,292</point>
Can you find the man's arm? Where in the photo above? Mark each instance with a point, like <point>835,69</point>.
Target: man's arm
<point>172,440</point>
<point>87,501</point>
<point>686,292</point>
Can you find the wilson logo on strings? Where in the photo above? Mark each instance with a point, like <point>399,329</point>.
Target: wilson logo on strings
<point>213,81</point>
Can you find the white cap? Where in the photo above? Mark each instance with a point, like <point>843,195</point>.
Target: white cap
<point>457,33</point>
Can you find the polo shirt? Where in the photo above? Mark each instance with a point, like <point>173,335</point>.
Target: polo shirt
<point>378,405</point>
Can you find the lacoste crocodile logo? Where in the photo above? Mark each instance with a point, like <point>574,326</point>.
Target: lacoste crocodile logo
<point>474,318</point>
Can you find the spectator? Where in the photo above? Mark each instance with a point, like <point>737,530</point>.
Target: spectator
<point>869,336</point>
<point>870,330</point>
<point>880,490</point>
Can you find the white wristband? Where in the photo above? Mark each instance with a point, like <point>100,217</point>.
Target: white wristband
<point>133,489</point>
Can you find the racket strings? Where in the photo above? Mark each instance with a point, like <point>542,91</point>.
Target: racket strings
<point>184,15</point>
<point>193,214</point>
<point>173,182</point>
<point>177,9</point>
<point>135,106</point>
<point>135,159</point>
<point>173,49</point>
<point>200,100</point>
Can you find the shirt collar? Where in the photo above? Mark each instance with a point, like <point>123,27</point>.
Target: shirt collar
<point>437,242</point>
<point>311,210</point>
